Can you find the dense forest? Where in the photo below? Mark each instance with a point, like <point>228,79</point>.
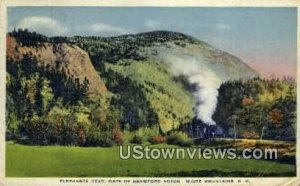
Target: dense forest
<point>258,108</point>
<point>45,104</point>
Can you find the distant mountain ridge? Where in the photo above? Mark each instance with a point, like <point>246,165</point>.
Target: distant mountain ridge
<point>133,46</point>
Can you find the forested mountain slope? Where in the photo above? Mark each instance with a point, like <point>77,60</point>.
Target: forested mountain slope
<point>103,85</point>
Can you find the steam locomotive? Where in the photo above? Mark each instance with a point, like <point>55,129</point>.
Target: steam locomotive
<point>201,130</point>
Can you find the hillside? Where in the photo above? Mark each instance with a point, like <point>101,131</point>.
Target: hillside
<point>158,78</point>
<point>167,67</point>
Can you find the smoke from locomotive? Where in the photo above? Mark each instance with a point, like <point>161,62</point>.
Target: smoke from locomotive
<point>205,80</point>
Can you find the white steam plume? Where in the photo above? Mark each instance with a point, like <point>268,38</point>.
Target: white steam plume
<point>206,81</point>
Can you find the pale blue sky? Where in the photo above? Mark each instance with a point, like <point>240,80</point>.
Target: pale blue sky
<point>265,38</point>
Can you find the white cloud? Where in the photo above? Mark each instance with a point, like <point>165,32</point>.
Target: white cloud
<point>212,26</point>
<point>153,24</point>
<point>156,24</point>
<point>221,26</point>
<point>104,28</point>
<point>42,24</point>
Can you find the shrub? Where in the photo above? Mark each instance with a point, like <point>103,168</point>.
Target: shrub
<point>118,137</point>
<point>100,138</point>
<point>12,123</point>
<point>179,138</point>
<point>106,142</point>
<point>127,136</point>
<point>38,131</point>
<point>137,139</point>
<point>94,137</point>
<point>157,139</point>
<point>147,132</point>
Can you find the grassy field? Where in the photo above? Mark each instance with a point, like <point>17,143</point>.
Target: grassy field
<point>58,161</point>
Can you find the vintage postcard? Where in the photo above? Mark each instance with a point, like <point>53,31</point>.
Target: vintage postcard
<point>149,93</point>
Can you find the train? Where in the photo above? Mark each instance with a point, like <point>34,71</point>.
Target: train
<point>198,129</point>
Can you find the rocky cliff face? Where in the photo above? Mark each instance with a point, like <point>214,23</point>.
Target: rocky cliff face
<point>71,58</point>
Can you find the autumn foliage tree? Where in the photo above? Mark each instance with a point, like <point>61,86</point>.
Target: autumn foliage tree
<point>275,117</point>
<point>247,100</point>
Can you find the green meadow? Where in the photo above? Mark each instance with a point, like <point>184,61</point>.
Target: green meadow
<point>62,161</point>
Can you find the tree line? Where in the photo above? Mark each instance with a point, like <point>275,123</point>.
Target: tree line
<point>258,108</point>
